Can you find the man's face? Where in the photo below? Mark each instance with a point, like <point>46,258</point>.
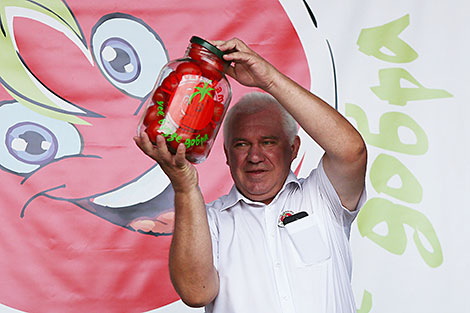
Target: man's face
<point>259,154</point>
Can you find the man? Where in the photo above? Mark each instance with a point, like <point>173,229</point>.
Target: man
<point>239,254</point>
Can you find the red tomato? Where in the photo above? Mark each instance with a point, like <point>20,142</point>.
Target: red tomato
<point>201,143</point>
<point>159,95</point>
<point>208,130</point>
<point>188,68</point>
<point>153,130</point>
<point>196,52</point>
<point>173,144</point>
<point>170,83</point>
<point>151,115</point>
<point>199,151</point>
<point>218,112</point>
<point>185,135</point>
<point>211,71</point>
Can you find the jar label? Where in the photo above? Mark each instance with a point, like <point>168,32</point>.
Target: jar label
<point>192,103</point>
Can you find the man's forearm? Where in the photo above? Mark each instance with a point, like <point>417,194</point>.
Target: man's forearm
<point>191,265</point>
<point>323,123</point>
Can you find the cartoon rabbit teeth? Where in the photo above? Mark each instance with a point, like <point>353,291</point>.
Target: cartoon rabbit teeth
<point>152,216</point>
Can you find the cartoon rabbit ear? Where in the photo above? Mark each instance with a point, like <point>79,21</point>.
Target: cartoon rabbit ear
<point>24,87</point>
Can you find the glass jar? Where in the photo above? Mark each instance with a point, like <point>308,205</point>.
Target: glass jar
<point>189,101</point>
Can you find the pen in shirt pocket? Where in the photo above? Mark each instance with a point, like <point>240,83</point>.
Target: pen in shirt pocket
<point>294,217</point>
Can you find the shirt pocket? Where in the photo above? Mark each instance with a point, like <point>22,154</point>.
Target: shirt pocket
<point>307,240</point>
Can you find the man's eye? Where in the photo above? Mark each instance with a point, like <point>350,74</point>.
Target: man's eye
<point>269,142</point>
<point>239,144</point>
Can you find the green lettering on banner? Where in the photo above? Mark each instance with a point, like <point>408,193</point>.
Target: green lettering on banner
<point>372,40</point>
<point>390,89</point>
<point>366,305</point>
<point>384,168</point>
<point>378,210</point>
<point>388,137</point>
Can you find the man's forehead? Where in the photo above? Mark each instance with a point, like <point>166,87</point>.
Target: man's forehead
<point>258,130</point>
<point>267,116</point>
<point>256,126</point>
<point>258,137</point>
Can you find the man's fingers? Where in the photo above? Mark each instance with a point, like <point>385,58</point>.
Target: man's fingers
<point>162,148</point>
<point>136,140</point>
<point>180,157</point>
<point>234,44</point>
<point>230,71</point>
<point>215,42</point>
<point>144,143</point>
<point>238,57</point>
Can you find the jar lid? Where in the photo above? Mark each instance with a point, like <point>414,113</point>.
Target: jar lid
<point>208,46</point>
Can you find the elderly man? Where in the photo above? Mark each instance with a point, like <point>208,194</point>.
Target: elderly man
<point>275,243</point>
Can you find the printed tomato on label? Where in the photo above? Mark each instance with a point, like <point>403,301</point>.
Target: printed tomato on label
<point>170,83</point>
<point>201,107</point>
<point>218,111</point>
<point>153,130</point>
<point>188,68</point>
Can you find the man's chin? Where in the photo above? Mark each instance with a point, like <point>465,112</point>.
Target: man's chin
<point>260,195</point>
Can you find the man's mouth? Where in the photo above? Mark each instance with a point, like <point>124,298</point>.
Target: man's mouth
<point>255,173</point>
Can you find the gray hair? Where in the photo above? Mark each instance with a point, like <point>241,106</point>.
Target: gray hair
<point>255,102</point>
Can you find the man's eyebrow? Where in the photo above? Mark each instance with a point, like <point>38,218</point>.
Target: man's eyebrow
<point>262,138</point>
<point>238,139</point>
<point>270,137</point>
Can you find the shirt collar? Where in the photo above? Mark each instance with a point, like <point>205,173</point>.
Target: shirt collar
<point>234,196</point>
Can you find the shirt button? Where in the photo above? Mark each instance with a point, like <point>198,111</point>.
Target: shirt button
<point>285,298</point>
<point>278,265</point>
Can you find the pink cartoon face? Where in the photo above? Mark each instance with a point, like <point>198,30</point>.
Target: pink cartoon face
<point>85,214</point>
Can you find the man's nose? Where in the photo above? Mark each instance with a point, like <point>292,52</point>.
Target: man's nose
<point>255,154</point>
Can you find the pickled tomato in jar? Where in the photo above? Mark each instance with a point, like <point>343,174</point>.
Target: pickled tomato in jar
<point>189,101</point>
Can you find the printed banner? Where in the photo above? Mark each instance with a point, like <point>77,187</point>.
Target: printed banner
<point>87,218</point>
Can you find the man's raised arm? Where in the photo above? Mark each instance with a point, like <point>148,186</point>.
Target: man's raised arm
<point>345,152</point>
<point>191,265</point>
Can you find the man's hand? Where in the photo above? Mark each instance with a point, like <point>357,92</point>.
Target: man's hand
<point>248,68</point>
<point>182,173</point>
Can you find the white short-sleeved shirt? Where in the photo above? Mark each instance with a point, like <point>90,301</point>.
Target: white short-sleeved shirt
<point>302,267</point>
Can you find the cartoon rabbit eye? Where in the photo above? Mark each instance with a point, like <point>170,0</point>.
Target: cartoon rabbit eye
<point>31,140</point>
<point>31,143</point>
<point>120,60</point>
<point>128,52</point>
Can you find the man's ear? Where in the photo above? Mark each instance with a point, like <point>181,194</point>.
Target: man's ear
<point>295,148</point>
<point>226,155</point>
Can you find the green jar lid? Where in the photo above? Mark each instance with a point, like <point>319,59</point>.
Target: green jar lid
<point>208,46</point>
